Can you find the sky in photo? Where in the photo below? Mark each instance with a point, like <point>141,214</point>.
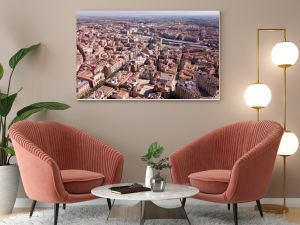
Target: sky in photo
<point>85,13</point>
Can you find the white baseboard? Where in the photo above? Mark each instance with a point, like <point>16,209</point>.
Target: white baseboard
<point>291,202</point>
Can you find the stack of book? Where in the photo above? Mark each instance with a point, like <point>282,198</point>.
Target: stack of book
<point>129,189</point>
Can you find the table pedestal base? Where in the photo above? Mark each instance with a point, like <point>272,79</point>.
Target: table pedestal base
<point>147,210</point>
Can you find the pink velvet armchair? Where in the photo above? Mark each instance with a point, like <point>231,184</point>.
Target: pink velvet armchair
<point>60,164</point>
<point>231,165</point>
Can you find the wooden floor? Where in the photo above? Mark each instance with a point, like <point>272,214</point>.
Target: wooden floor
<point>19,210</point>
<point>293,215</point>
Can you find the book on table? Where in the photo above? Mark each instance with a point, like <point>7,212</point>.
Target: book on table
<point>126,189</point>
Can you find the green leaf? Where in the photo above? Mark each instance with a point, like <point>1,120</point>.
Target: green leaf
<point>27,111</point>
<point>1,71</point>
<point>2,95</point>
<point>155,150</point>
<point>25,115</point>
<point>9,150</point>
<point>145,158</point>
<point>6,103</point>
<point>44,105</point>
<point>16,58</point>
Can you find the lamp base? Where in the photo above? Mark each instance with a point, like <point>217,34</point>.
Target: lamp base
<point>276,209</point>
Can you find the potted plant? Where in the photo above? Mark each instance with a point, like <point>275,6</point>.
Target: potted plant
<point>9,173</point>
<point>157,182</point>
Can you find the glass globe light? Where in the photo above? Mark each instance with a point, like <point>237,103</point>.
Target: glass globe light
<point>289,144</point>
<point>284,54</point>
<point>258,95</point>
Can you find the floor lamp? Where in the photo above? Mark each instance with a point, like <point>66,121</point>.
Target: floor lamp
<point>284,55</point>
<point>258,95</point>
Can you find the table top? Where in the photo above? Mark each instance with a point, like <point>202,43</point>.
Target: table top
<point>172,191</point>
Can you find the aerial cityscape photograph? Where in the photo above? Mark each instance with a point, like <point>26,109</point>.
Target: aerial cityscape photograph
<point>148,55</point>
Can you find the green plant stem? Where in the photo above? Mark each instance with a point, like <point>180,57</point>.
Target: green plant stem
<point>8,159</point>
<point>9,82</point>
<point>0,124</point>
<point>1,156</point>
<point>3,142</point>
<point>3,126</point>
<point>2,152</point>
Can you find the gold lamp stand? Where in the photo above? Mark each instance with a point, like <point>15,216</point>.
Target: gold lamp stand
<point>272,208</point>
<point>278,209</point>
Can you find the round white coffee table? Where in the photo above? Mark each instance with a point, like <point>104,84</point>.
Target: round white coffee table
<point>145,209</point>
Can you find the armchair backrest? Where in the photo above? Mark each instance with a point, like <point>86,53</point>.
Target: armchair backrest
<point>235,140</point>
<point>56,140</point>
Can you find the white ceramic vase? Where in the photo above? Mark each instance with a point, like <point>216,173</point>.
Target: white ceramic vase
<point>9,183</point>
<point>148,176</point>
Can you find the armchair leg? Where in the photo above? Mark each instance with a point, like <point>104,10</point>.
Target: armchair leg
<point>108,203</point>
<point>228,206</point>
<point>235,213</point>
<point>56,209</point>
<point>183,202</point>
<point>64,206</point>
<point>32,208</point>
<point>259,208</point>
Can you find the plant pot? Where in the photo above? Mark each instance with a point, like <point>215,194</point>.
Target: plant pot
<point>9,183</point>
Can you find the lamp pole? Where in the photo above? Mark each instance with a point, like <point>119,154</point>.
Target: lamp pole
<point>270,207</point>
<point>284,182</point>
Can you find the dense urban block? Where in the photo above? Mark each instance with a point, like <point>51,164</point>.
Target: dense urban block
<point>147,55</point>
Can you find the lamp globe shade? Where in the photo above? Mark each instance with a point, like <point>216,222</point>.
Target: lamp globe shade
<point>289,144</point>
<point>284,54</point>
<point>258,95</point>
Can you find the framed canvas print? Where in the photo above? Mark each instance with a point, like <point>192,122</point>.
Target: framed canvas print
<point>148,55</point>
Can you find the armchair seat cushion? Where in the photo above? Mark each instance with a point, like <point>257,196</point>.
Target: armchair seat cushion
<point>81,181</point>
<point>211,181</point>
